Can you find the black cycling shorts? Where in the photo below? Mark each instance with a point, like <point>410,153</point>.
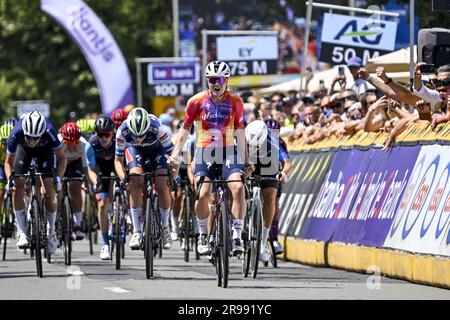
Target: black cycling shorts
<point>45,160</point>
<point>74,169</point>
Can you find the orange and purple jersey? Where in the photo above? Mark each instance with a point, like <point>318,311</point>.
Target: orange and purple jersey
<point>215,123</point>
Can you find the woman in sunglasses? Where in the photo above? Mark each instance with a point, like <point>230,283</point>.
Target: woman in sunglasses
<point>70,136</point>
<point>219,118</point>
<point>100,160</point>
<point>35,137</point>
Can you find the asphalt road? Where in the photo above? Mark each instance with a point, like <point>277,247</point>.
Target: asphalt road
<point>90,278</point>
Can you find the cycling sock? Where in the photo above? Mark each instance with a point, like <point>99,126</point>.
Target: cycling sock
<point>264,236</point>
<point>105,238</point>
<point>174,221</point>
<point>275,229</point>
<point>76,219</point>
<point>51,218</point>
<point>238,225</point>
<point>203,226</point>
<point>165,214</point>
<point>21,223</point>
<point>136,214</point>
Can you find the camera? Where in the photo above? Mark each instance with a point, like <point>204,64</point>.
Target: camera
<point>427,68</point>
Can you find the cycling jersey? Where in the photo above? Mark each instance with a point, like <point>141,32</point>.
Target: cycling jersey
<point>155,138</point>
<point>48,139</point>
<point>97,155</point>
<point>76,152</point>
<point>216,123</point>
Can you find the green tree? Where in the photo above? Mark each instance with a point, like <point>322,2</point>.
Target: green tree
<point>39,60</point>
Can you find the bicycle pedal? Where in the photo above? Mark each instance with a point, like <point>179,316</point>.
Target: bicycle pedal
<point>266,264</point>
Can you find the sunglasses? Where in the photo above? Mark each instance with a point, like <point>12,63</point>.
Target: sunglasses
<point>71,143</point>
<point>32,138</point>
<point>442,83</point>
<point>213,80</point>
<point>107,134</point>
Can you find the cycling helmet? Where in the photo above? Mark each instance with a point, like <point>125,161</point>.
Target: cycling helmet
<point>5,131</point>
<point>272,124</point>
<point>119,116</point>
<point>84,126</point>
<point>217,69</point>
<point>138,121</point>
<point>256,134</point>
<point>104,124</point>
<point>128,108</point>
<point>70,131</point>
<point>34,124</point>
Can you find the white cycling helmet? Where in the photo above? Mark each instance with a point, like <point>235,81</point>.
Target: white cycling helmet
<point>256,134</point>
<point>34,124</point>
<point>217,69</point>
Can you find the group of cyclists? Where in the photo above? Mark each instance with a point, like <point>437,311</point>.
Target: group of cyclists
<point>211,138</point>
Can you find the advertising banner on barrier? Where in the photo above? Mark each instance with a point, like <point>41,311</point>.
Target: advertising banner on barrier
<point>298,195</point>
<point>99,48</point>
<point>359,196</point>
<point>422,223</point>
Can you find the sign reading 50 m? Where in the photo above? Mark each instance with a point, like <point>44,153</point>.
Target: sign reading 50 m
<point>344,37</point>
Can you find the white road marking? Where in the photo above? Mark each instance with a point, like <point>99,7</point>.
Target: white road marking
<point>116,290</point>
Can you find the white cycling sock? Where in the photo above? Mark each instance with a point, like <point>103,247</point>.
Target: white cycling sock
<point>136,214</point>
<point>203,225</point>
<point>165,214</point>
<point>174,221</point>
<point>238,225</point>
<point>21,221</point>
<point>77,219</point>
<point>51,218</point>
<point>264,236</point>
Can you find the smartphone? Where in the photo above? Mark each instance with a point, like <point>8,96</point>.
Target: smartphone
<point>427,68</point>
<point>341,71</point>
<point>321,82</point>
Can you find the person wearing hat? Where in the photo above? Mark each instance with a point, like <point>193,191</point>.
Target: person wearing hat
<point>360,86</point>
<point>166,121</point>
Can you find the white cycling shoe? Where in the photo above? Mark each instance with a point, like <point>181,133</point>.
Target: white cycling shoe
<point>104,253</point>
<point>135,242</point>
<point>22,241</point>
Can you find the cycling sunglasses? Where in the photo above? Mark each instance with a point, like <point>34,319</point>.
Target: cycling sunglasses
<point>32,138</point>
<point>213,80</point>
<point>106,134</point>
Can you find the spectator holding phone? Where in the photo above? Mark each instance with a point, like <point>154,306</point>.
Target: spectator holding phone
<point>437,98</point>
<point>360,86</point>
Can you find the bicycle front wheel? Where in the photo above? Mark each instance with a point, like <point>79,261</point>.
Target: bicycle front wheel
<point>36,232</point>
<point>148,241</point>
<point>117,238</point>
<point>187,227</point>
<point>67,231</point>
<point>7,223</point>
<point>225,245</point>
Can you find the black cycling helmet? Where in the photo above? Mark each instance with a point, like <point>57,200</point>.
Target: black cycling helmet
<point>104,124</point>
<point>272,124</point>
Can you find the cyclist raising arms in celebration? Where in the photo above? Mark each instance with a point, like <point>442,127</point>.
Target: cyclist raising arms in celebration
<point>144,139</point>
<point>219,117</point>
<point>34,137</point>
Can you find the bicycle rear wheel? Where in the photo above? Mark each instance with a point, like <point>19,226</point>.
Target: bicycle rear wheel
<point>247,247</point>
<point>148,240</point>
<point>255,231</point>
<point>216,252</point>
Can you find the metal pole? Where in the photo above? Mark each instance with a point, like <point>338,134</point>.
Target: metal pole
<point>305,51</point>
<point>344,8</point>
<point>204,38</point>
<point>139,82</point>
<point>176,36</point>
<point>411,41</point>
<point>351,3</point>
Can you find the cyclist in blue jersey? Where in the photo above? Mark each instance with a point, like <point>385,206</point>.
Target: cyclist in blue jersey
<point>100,160</point>
<point>34,136</point>
<point>140,138</point>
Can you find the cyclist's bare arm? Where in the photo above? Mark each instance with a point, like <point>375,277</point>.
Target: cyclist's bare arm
<point>118,165</point>
<point>92,175</point>
<point>182,136</point>
<point>9,161</point>
<point>61,157</point>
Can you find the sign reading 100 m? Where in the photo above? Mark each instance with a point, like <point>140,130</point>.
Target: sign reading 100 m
<point>173,79</point>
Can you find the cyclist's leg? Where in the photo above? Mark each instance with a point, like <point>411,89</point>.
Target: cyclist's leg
<point>276,244</point>
<point>76,199</point>
<point>21,164</point>
<point>136,187</point>
<point>269,194</point>
<point>102,207</point>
